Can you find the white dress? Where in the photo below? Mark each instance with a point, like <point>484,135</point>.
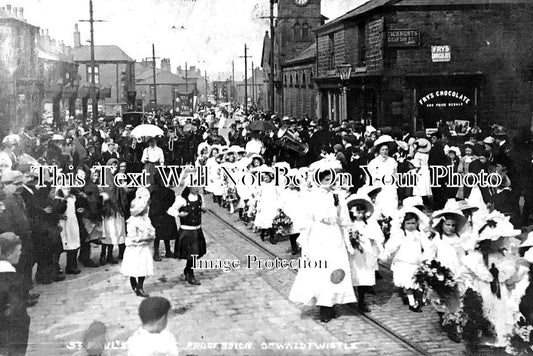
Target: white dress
<point>423,184</point>
<point>381,172</point>
<point>364,264</point>
<point>137,261</point>
<point>114,230</point>
<point>144,343</point>
<point>502,312</point>
<point>324,242</point>
<point>267,206</point>
<point>70,230</point>
<point>449,252</point>
<point>214,183</point>
<point>408,249</point>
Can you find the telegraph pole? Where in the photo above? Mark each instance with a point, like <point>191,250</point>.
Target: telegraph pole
<point>153,72</point>
<point>205,77</point>
<point>232,81</point>
<point>94,102</point>
<point>245,76</point>
<point>253,85</point>
<point>272,57</point>
<point>186,79</point>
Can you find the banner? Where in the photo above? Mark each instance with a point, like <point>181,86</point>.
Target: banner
<point>185,104</point>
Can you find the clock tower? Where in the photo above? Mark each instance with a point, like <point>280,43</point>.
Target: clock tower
<point>294,27</point>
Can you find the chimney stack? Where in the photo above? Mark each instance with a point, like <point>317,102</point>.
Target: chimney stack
<point>165,64</point>
<point>77,36</point>
<point>21,13</point>
<point>8,9</point>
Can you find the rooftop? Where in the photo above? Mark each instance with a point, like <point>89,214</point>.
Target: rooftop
<point>107,53</point>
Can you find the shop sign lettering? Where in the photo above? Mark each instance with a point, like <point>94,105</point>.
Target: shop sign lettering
<point>441,53</point>
<point>444,98</point>
<point>403,38</point>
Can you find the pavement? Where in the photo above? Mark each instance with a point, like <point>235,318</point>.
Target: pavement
<point>238,312</point>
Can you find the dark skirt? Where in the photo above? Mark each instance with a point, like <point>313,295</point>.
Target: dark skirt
<point>190,242</point>
<point>165,227</point>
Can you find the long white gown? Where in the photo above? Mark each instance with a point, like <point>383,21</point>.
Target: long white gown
<point>423,184</point>
<point>382,170</point>
<point>324,242</point>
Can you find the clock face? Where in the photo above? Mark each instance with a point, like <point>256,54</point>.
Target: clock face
<point>301,2</point>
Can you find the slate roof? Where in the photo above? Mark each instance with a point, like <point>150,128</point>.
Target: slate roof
<point>108,53</point>
<point>308,54</point>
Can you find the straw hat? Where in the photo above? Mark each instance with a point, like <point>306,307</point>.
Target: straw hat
<point>423,219</point>
<point>384,140</point>
<point>11,140</point>
<point>414,202</point>
<point>328,162</point>
<point>439,215</point>
<point>496,226</point>
<point>259,157</point>
<point>138,205</point>
<point>369,190</point>
<point>529,241</point>
<point>423,145</point>
<point>463,205</point>
<point>202,146</point>
<point>357,199</point>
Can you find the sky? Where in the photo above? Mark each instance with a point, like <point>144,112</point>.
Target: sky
<point>214,31</point>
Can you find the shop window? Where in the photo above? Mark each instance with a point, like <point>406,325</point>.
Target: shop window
<point>305,31</point>
<point>303,80</point>
<point>296,82</point>
<point>331,57</point>
<point>361,62</point>
<point>296,31</point>
<point>96,74</point>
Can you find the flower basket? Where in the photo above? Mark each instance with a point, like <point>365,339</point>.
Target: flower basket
<point>282,223</point>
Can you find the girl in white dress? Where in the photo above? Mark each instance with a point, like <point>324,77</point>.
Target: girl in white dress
<point>137,262</point>
<point>267,204</point>
<point>382,168</point>
<point>409,247</point>
<point>229,188</point>
<point>420,161</point>
<point>211,168</point>
<point>323,243</point>
<point>70,231</point>
<point>364,239</point>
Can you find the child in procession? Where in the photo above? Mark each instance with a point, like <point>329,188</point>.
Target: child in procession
<point>267,203</point>
<point>408,247</point>
<point>137,262</point>
<point>364,241</point>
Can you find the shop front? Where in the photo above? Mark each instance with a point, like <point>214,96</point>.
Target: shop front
<point>446,99</point>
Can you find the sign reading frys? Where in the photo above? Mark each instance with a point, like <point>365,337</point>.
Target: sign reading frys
<point>403,38</point>
<point>441,53</point>
<point>444,99</point>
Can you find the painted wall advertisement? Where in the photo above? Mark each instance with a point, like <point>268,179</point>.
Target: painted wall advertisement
<point>441,54</point>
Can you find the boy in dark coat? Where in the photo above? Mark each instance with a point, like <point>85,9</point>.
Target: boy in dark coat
<point>14,319</point>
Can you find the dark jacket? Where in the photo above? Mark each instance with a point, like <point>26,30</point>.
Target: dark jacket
<point>14,319</point>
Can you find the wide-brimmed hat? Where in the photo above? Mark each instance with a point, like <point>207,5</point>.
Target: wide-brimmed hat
<point>384,140</point>
<point>329,161</point>
<point>142,192</point>
<point>423,219</point>
<point>489,140</point>
<point>464,205</point>
<point>237,149</point>
<point>414,202</point>
<point>369,190</point>
<point>357,199</point>
<point>457,214</point>
<point>496,226</point>
<point>12,177</point>
<point>202,146</point>
<point>11,140</point>
<point>256,156</point>
<point>470,144</point>
<point>529,241</point>
<point>423,145</point>
<point>138,205</point>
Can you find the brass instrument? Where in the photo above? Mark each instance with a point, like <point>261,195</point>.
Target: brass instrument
<point>289,140</point>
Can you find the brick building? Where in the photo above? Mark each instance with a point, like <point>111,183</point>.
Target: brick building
<point>114,77</point>
<point>293,35</point>
<point>420,61</point>
<point>255,89</point>
<point>38,76</point>
<point>168,85</point>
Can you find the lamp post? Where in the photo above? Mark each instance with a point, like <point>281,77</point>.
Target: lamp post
<point>345,72</point>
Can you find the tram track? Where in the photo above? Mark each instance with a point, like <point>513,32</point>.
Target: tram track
<point>386,330</point>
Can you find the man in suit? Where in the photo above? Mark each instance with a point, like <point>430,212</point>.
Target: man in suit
<point>437,158</point>
<point>15,219</point>
<point>110,153</point>
<point>14,319</point>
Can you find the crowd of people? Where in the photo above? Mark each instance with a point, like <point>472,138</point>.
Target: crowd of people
<point>457,233</point>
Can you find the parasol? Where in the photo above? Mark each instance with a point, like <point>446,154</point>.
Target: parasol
<point>261,125</point>
<point>146,130</point>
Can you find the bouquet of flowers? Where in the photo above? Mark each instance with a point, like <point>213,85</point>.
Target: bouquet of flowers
<point>355,240</point>
<point>282,223</point>
<point>437,278</point>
